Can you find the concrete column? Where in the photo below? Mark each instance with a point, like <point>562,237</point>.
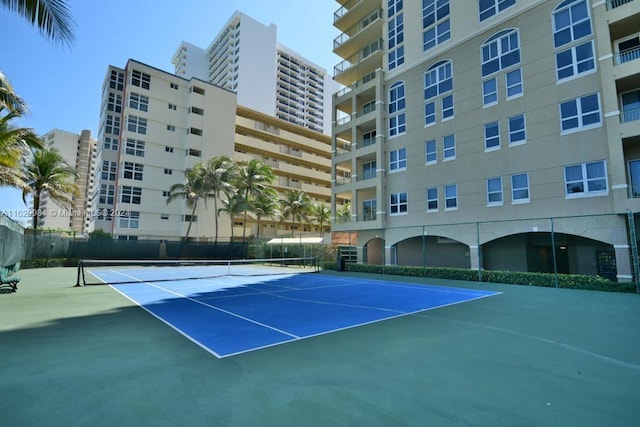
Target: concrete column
<point>623,263</point>
<point>474,257</point>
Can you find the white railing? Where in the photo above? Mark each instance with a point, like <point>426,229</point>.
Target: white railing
<point>627,55</point>
<point>612,4</point>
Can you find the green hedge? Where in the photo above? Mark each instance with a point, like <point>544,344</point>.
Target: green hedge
<point>48,262</point>
<point>572,281</point>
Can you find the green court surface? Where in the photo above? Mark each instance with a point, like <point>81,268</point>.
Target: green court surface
<point>528,357</point>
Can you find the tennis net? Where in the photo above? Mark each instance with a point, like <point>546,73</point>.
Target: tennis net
<point>100,271</point>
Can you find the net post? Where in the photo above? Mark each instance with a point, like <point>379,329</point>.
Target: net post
<point>78,275</point>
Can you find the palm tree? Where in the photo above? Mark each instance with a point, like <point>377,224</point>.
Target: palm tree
<point>52,17</point>
<point>47,172</point>
<point>192,190</point>
<point>296,204</point>
<point>264,205</point>
<point>233,206</point>
<point>322,214</point>
<point>14,145</point>
<point>343,214</point>
<point>253,179</point>
<point>9,99</point>
<point>219,176</point>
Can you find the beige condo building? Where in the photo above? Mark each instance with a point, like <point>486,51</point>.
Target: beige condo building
<point>497,134</point>
<point>155,124</point>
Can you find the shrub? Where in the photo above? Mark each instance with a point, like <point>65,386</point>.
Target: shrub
<point>571,281</point>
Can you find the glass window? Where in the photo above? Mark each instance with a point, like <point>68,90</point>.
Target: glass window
<point>131,195</point>
<point>492,136</point>
<point>571,21</point>
<point>517,132</point>
<point>488,8</point>
<point>514,83</point>
<point>580,113</point>
<point>398,203</point>
<point>398,160</point>
<point>449,147</point>
<point>500,51</point>
<point>134,147</point>
<point>586,179</point>
<point>430,151</point>
<point>432,199</point>
<point>140,79</point>
<point>138,102</point>
<point>397,123</point>
<point>575,61</point>
<point>494,191</point>
<point>451,196</point>
<point>489,92</point>
<point>129,220</point>
<point>520,188</point>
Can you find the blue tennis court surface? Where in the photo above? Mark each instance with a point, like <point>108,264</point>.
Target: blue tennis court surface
<point>234,314</point>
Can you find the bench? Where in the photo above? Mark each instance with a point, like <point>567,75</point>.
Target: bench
<point>8,284</point>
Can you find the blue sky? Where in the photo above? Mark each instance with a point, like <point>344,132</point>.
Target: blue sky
<point>62,85</point>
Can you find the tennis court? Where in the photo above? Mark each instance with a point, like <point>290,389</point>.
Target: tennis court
<point>231,313</point>
<point>77,356</point>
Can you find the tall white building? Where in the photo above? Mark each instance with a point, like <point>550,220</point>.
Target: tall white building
<point>246,58</point>
<point>153,126</point>
<point>79,151</point>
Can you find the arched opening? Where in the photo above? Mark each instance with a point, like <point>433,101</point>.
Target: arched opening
<point>432,251</point>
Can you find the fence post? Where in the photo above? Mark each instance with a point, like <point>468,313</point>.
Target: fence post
<point>553,251</point>
<point>633,244</point>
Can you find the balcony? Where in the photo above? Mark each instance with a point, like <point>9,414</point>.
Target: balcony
<point>359,35</point>
<point>353,12</point>
<point>630,115</point>
<point>613,4</point>
<point>627,55</point>
<point>363,62</point>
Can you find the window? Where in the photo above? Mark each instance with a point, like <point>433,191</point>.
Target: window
<point>520,188</point>
<point>116,80</point>
<point>168,171</point>
<point>129,220</point>
<point>110,143</point>
<point>189,218</point>
<point>438,80</point>
<point>586,179</point>
<point>114,103</point>
<point>172,107</point>
<point>171,128</point>
<point>134,147</point>
<point>131,195</point>
<point>195,131</point>
<point>107,194</point>
<point>193,152</point>
<point>580,113</point>
<point>431,154</point>
<point>432,199</point>
<point>517,132</point>
<point>197,90</point>
<point>630,106</point>
<point>368,138</point>
<point>164,216</point>
<point>398,203</point>
<point>398,160</point>
<point>575,61</point>
<point>397,123</point>
<point>571,21</point>
<point>112,125</point>
<point>447,107</point>
<point>138,102</point>
<point>451,197</point>
<point>488,8</point>
<point>168,149</point>
<point>500,51</point>
<point>449,147</point>
<point>137,124</point>
<point>109,170</point>
<point>435,22</point>
<point>369,210</point>
<point>429,113</point>
<point>514,83</point>
<point>140,79</point>
<point>132,171</point>
<point>494,191</point>
<point>196,110</point>
<point>490,92</point>
<point>492,136</point>
<point>173,86</point>
<point>395,33</point>
<point>369,170</point>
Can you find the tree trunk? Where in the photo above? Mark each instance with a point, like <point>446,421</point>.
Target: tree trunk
<point>193,211</point>
<point>36,208</point>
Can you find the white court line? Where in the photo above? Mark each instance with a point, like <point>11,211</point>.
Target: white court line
<point>231,313</point>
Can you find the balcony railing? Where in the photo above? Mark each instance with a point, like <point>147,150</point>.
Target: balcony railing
<point>627,55</point>
<point>369,174</point>
<point>369,216</point>
<point>630,115</point>
<point>358,57</point>
<point>344,37</point>
<point>343,180</point>
<point>612,4</point>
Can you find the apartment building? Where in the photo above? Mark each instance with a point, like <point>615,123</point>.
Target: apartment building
<point>245,57</point>
<point>498,134</point>
<point>154,125</point>
<point>79,151</point>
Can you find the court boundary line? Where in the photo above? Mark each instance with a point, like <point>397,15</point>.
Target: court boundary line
<point>296,338</point>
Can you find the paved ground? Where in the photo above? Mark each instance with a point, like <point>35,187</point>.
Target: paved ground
<point>529,357</point>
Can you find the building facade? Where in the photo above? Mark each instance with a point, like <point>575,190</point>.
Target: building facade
<point>246,58</point>
<point>154,125</point>
<point>498,134</point>
<point>79,151</point>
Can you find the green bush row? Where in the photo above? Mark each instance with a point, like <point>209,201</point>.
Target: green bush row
<point>572,281</point>
<point>48,262</point>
